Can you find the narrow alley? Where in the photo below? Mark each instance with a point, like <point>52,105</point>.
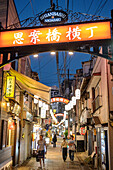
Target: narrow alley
<point>54,161</point>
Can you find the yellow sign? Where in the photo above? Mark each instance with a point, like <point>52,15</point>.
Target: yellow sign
<point>10,87</point>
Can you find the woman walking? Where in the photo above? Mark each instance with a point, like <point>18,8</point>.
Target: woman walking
<point>64,149</point>
<point>41,152</point>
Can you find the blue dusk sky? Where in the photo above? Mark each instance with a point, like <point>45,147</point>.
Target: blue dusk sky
<point>45,64</point>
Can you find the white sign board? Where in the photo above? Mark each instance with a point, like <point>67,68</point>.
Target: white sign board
<point>36,99</point>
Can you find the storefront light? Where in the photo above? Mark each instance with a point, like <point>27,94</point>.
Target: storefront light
<point>3,104</point>
<point>70,119</point>
<point>8,104</point>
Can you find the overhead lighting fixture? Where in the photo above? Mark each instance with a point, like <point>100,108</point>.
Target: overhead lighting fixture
<point>35,55</point>
<point>71,53</point>
<point>53,53</point>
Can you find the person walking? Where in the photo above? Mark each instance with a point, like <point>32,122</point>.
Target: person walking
<point>40,150</point>
<point>54,140</point>
<point>64,149</point>
<point>71,148</point>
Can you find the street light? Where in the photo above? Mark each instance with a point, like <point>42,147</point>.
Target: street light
<point>53,52</point>
<point>35,55</point>
<point>70,53</point>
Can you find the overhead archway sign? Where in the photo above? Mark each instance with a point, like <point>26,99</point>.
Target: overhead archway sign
<point>79,37</point>
<point>56,34</point>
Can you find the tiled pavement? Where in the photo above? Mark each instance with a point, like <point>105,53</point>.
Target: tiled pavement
<point>53,161</point>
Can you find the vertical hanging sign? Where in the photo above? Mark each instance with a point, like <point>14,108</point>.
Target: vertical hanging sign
<point>10,87</point>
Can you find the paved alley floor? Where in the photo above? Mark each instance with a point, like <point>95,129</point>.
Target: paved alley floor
<point>54,161</point>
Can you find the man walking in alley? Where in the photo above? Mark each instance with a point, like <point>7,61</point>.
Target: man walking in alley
<point>54,140</point>
<point>41,150</point>
<point>71,148</point>
<point>64,149</point>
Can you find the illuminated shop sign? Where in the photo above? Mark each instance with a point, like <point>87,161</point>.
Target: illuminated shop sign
<point>82,131</point>
<point>53,17</point>
<point>56,34</point>
<point>11,126</point>
<point>10,87</point>
<point>59,99</point>
<point>59,114</point>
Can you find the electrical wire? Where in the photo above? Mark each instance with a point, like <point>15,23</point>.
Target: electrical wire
<point>67,5</point>
<point>32,7</point>
<point>98,7</point>
<point>103,6</point>
<point>84,4</point>
<point>90,6</point>
<point>99,10</point>
<point>21,11</point>
<point>44,64</point>
<point>49,76</point>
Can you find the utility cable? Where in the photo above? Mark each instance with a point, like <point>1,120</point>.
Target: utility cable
<point>103,6</point>
<point>90,6</point>
<point>44,64</point>
<point>98,8</point>
<point>21,11</point>
<point>32,7</point>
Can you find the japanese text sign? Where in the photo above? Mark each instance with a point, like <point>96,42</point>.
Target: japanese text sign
<point>10,87</point>
<point>59,99</point>
<point>56,34</point>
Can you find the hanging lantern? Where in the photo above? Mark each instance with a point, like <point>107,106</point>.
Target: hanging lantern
<point>11,126</point>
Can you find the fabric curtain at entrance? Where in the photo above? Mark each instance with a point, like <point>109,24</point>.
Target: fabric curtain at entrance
<point>32,86</point>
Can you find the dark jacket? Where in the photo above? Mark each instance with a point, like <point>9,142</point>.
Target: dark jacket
<point>54,139</point>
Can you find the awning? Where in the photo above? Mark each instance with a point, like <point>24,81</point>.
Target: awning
<point>32,86</point>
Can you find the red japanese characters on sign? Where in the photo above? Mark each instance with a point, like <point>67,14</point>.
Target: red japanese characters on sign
<point>59,99</point>
<point>56,34</point>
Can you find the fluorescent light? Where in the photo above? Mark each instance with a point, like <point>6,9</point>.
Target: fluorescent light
<point>53,53</point>
<point>35,55</point>
<point>70,53</point>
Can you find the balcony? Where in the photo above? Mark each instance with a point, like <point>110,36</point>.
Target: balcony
<point>97,103</point>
